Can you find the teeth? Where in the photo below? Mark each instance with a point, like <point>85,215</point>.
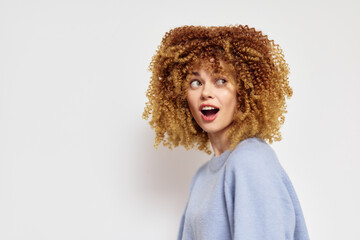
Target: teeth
<point>207,108</point>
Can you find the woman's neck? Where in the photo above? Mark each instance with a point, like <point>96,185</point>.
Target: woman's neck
<point>219,142</point>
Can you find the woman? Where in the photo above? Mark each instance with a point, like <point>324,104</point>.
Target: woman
<point>226,87</point>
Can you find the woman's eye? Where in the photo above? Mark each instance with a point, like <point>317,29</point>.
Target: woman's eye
<point>195,83</point>
<point>221,82</point>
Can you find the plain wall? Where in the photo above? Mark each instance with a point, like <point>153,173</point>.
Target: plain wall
<point>77,159</point>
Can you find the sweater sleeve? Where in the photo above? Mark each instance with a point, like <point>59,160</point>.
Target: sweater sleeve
<point>182,221</point>
<point>258,203</point>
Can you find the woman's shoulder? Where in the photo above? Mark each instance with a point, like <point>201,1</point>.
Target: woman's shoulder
<point>253,150</point>
<point>253,156</point>
<point>253,144</point>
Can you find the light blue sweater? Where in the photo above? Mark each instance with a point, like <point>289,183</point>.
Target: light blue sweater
<point>244,195</point>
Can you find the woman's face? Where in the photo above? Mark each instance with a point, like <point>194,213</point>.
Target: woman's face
<point>212,99</point>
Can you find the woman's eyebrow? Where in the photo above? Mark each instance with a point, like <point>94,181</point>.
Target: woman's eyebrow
<point>195,73</point>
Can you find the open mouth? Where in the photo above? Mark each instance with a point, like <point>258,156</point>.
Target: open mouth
<point>209,112</point>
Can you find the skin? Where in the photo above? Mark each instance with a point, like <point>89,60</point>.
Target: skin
<point>218,91</point>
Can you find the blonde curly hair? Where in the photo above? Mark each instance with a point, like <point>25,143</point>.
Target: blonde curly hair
<point>261,82</point>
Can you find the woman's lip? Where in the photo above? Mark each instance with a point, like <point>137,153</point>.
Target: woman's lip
<point>207,105</point>
<point>208,118</point>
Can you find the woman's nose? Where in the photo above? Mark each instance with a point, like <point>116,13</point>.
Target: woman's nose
<point>207,91</point>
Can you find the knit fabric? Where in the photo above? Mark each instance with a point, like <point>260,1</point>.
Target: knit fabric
<point>243,195</point>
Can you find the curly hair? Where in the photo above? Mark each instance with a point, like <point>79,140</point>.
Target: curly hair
<point>261,82</point>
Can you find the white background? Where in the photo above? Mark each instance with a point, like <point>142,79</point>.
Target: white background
<point>77,160</point>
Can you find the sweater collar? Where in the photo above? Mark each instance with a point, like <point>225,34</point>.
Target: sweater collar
<point>216,162</point>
